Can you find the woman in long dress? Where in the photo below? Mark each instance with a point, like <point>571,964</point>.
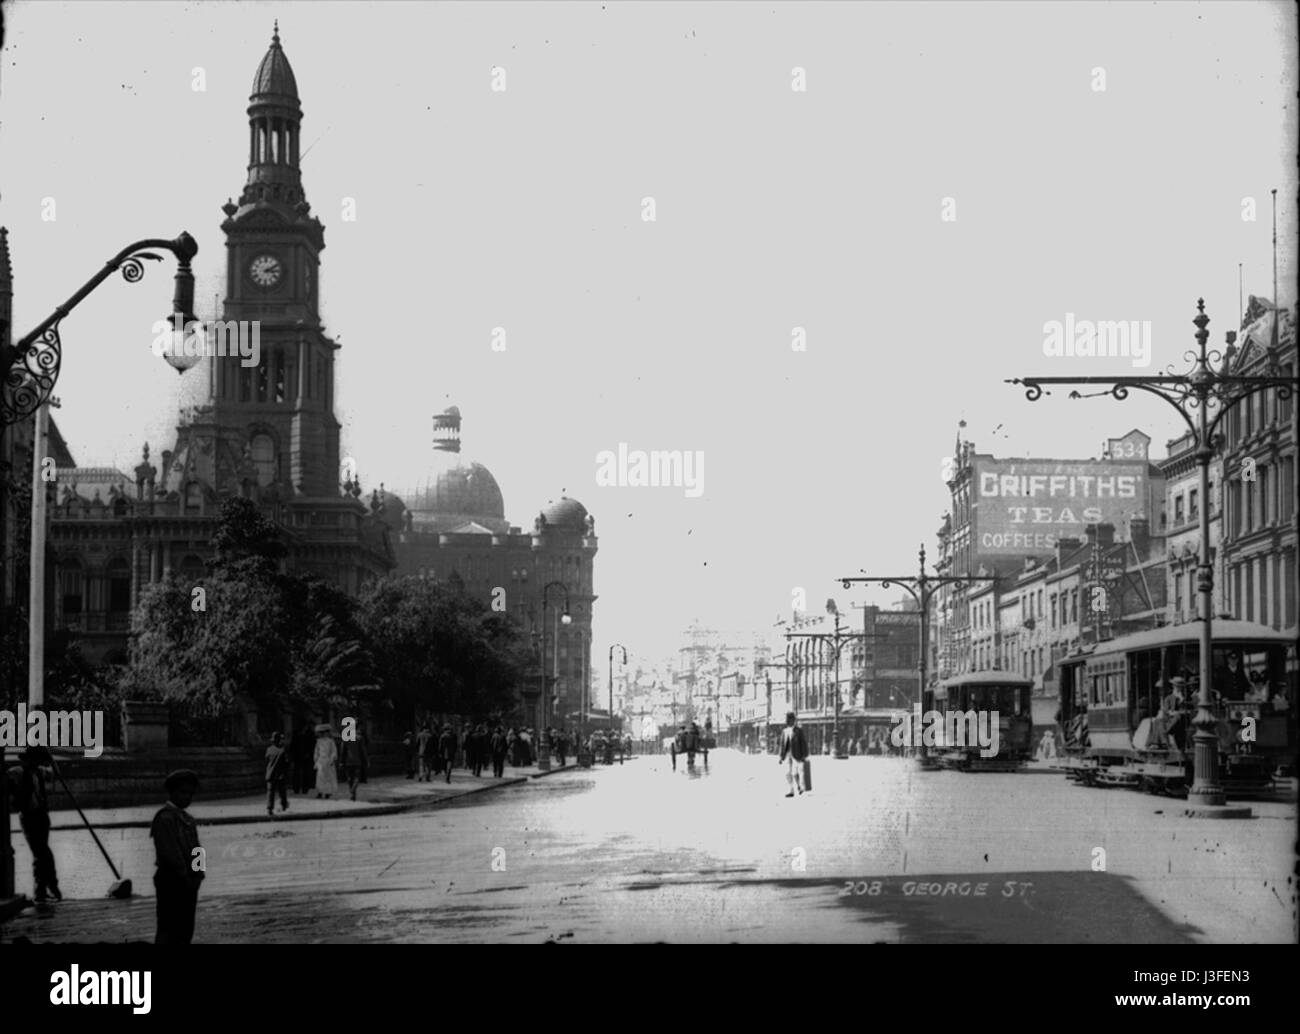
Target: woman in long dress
<point>327,779</point>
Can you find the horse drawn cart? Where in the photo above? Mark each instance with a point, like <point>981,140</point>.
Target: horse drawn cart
<point>691,742</point>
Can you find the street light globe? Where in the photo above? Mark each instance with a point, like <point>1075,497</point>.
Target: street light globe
<point>185,341</point>
<point>565,619</point>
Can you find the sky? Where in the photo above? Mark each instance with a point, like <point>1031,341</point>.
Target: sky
<point>950,180</point>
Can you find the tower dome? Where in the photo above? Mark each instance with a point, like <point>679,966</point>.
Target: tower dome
<point>567,513</point>
<point>457,494</point>
<point>274,77</point>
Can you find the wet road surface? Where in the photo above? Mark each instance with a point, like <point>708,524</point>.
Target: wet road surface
<point>878,852</point>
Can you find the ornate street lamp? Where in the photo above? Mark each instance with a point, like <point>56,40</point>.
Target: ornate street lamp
<point>1202,397</point>
<point>616,646</point>
<point>543,747</point>
<point>922,589</point>
<point>31,367</point>
<point>29,371</point>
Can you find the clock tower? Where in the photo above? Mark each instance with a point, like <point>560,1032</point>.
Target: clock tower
<point>273,417</point>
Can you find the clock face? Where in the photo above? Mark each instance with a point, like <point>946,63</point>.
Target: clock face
<point>266,270</point>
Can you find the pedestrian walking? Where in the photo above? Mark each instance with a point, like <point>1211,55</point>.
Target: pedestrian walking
<point>277,772</point>
<point>447,745</point>
<point>326,757</point>
<point>425,749</point>
<point>303,749</point>
<point>354,761</point>
<point>478,748</point>
<point>30,792</point>
<point>180,869</point>
<point>512,746</point>
<point>794,752</point>
<point>499,747</point>
<point>561,744</point>
<point>412,754</point>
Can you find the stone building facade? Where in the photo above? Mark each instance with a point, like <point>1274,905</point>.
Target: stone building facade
<point>453,527</point>
<point>266,432</point>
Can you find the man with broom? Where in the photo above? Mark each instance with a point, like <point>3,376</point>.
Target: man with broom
<point>31,797</point>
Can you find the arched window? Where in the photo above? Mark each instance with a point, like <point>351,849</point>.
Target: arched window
<point>71,590</point>
<point>118,576</point>
<point>193,497</point>
<point>263,452</point>
<point>280,378</point>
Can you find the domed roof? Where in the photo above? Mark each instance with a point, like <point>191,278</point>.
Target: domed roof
<point>567,513</point>
<point>274,76</point>
<point>460,488</point>
<point>458,494</point>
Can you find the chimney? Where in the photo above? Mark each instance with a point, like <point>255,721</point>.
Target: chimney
<point>1102,534</point>
<point>1139,533</point>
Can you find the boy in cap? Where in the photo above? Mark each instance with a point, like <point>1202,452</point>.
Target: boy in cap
<point>176,839</point>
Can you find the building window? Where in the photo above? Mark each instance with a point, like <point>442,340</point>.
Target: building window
<point>193,497</point>
<point>1287,494</point>
<point>1052,607</point>
<point>263,453</point>
<point>279,376</point>
<point>118,574</point>
<point>1289,577</point>
<point>1178,510</point>
<point>1192,499</point>
<point>1265,498</point>
<point>1178,597</point>
<point>71,581</point>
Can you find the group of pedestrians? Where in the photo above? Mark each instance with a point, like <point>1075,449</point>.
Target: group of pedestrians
<point>311,763</point>
<point>432,751</point>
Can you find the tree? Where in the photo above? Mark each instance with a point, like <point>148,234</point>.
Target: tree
<point>438,649</point>
<point>232,636</point>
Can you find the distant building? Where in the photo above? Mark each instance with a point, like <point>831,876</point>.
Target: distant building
<point>453,528</point>
<point>1259,475</point>
<point>1010,515</point>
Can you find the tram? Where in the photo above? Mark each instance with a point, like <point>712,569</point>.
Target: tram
<point>999,693</point>
<point>1126,708</point>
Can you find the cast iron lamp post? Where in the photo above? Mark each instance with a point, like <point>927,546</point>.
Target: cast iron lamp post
<point>1202,397</point>
<point>543,746</point>
<point>616,646</point>
<point>922,588</point>
<point>29,371</point>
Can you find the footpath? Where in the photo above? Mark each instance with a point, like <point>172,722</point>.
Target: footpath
<point>384,795</point>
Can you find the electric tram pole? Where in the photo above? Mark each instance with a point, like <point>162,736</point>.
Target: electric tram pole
<point>1194,395</point>
<point>922,589</point>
